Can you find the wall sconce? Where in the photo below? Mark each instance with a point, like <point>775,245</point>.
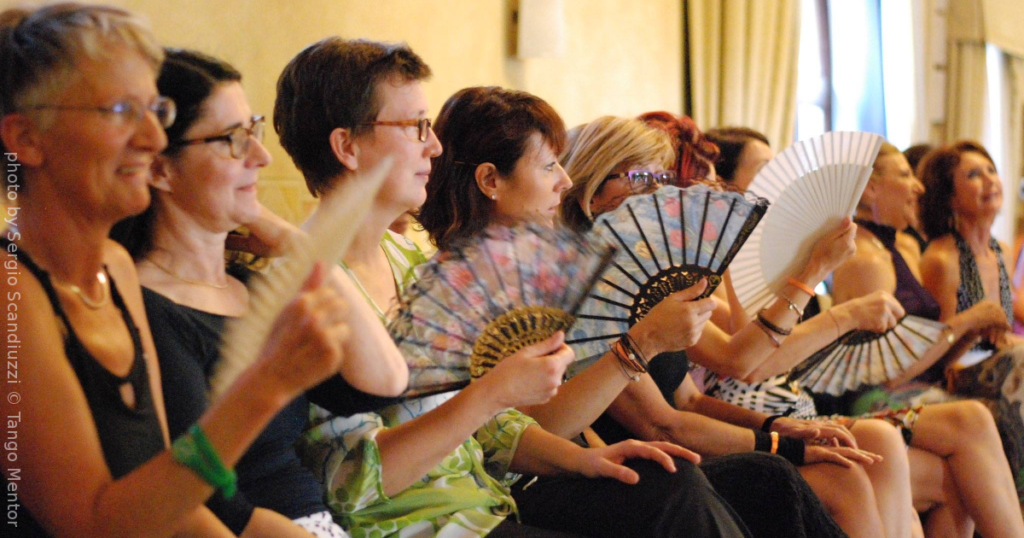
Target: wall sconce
<point>541,29</point>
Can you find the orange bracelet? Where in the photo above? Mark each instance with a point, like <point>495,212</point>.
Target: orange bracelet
<point>801,286</point>
<point>775,442</point>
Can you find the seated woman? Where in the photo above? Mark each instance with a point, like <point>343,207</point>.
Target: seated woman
<point>964,270</point>
<point>889,196</point>
<point>500,167</point>
<point>204,186</point>
<point>437,465</point>
<point>83,119</point>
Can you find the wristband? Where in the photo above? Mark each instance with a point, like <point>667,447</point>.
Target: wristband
<point>194,450</point>
<point>767,426</point>
<point>792,450</point>
<point>775,442</point>
<point>801,286</point>
<point>762,441</point>
<point>767,332</point>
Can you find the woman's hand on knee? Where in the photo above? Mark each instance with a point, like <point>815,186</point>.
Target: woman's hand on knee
<point>839,455</point>
<point>606,462</point>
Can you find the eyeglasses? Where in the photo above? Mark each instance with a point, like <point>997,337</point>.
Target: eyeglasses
<point>127,111</point>
<point>237,138</point>
<point>641,181</point>
<point>422,125</point>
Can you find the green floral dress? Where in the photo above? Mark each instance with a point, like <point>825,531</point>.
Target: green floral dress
<point>465,495</point>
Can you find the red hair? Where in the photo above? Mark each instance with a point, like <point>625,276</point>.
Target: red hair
<point>694,152</point>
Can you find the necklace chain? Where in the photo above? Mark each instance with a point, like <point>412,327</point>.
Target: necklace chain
<point>86,300</point>
<point>184,279</point>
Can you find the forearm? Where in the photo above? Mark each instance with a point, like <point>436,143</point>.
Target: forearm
<point>269,524</point>
<point>411,450</point>
<point>643,411</point>
<point>581,399</point>
<point>542,453</point>
<point>726,412</point>
<point>807,338</point>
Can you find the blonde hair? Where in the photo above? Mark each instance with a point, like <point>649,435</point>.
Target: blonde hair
<point>40,47</point>
<point>596,149</point>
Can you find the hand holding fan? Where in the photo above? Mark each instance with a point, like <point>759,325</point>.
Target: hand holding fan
<point>812,186</point>
<point>335,224</point>
<point>483,301</point>
<point>862,358</point>
<point>667,240</point>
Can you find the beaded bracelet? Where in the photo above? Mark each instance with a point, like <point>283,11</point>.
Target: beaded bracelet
<point>775,328</point>
<point>625,364</point>
<point>194,450</point>
<point>634,350</point>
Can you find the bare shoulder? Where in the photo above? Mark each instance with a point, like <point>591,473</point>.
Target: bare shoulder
<point>941,255</point>
<point>868,270</point>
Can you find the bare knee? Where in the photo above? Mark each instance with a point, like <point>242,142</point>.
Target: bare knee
<point>970,419</point>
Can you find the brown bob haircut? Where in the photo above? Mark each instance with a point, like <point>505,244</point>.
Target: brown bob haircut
<point>475,126</point>
<point>730,142</point>
<point>936,172</point>
<point>330,84</point>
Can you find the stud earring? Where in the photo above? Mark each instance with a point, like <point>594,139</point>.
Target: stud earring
<point>494,196</point>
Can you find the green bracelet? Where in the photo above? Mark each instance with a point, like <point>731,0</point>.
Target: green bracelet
<point>193,450</point>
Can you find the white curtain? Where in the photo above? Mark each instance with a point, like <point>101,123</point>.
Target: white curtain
<point>966,92</point>
<point>742,59</point>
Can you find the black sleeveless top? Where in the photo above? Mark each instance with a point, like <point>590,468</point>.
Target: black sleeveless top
<point>129,437</point>
<point>915,299</point>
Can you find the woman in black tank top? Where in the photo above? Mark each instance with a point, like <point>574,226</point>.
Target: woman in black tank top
<point>86,443</point>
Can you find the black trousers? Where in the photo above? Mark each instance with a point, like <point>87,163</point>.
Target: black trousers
<point>662,505</point>
<point>771,496</point>
<point>511,529</point>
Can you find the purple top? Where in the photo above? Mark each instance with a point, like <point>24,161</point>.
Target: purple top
<point>914,298</point>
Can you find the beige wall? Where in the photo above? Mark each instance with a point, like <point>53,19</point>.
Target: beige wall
<point>622,57</point>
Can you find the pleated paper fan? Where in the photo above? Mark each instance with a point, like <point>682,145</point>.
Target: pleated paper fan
<point>865,358</point>
<point>667,241</point>
<point>812,186</point>
<point>489,297</point>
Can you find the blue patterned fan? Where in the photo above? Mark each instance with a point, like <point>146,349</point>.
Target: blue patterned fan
<point>668,240</point>
<point>491,296</point>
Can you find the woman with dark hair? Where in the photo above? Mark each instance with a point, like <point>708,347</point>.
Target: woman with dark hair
<point>500,166</point>
<point>82,117</point>
<point>964,270</point>
<point>204,186</point>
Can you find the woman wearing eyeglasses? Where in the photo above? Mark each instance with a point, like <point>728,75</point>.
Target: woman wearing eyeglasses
<point>81,121</point>
<point>204,185</point>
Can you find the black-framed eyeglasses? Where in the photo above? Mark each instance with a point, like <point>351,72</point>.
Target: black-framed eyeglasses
<point>642,181</point>
<point>127,111</point>
<point>422,126</point>
<point>238,138</point>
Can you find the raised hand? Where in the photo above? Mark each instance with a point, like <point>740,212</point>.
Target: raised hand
<point>532,375</point>
<point>676,322</point>
<point>305,340</point>
<point>831,251</point>
<point>607,461</point>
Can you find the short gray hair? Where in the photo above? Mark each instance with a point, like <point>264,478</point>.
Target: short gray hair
<point>39,47</point>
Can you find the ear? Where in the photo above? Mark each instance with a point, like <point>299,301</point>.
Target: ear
<point>344,148</point>
<point>870,191</point>
<point>160,174</point>
<point>21,138</point>
<point>487,177</point>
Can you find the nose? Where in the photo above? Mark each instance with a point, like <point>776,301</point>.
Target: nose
<point>257,156</point>
<point>918,187</point>
<point>433,145</point>
<point>149,133</point>
<point>564,181</point>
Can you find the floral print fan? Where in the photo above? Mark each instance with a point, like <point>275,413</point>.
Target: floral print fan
<point>668,240</point>
<point>476,304</point>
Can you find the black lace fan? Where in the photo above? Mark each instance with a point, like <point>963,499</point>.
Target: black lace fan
<point>488,298</point>
<point>667,240</point>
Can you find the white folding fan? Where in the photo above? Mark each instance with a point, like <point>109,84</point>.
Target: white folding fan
<point>812,185</point>
<point>667,240</point>
<point>866,358</point>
